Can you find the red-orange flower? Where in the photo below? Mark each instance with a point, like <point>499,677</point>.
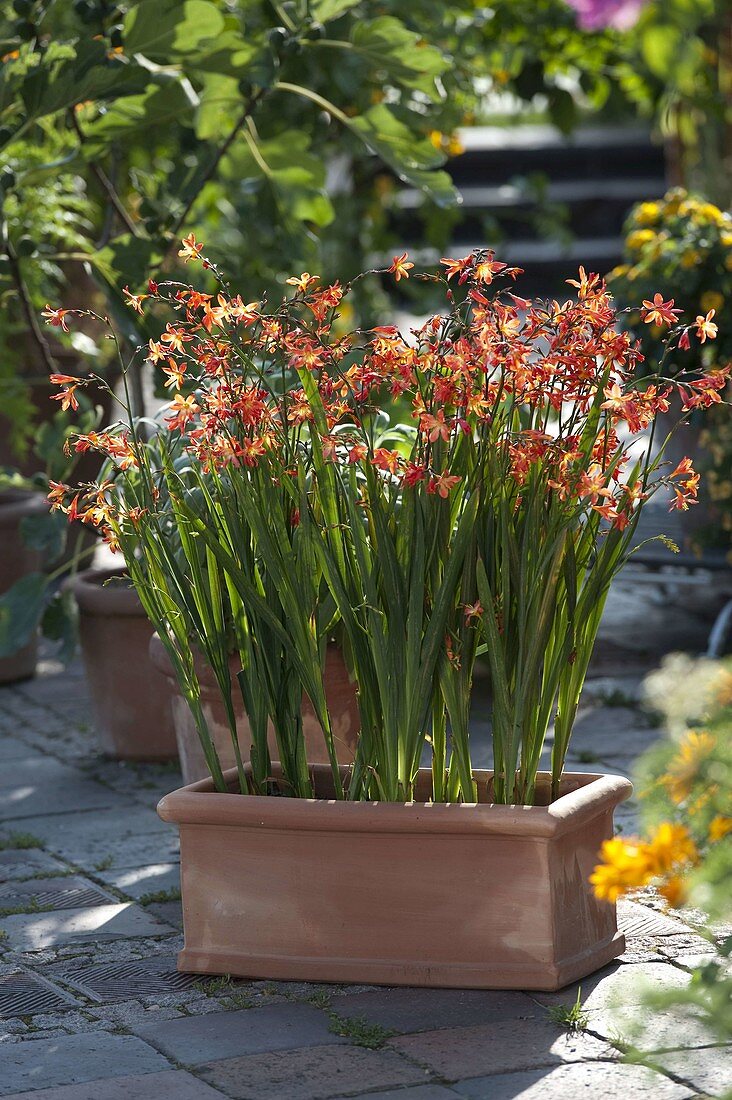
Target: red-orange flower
<point>400,267</point>
<point>659,312</point>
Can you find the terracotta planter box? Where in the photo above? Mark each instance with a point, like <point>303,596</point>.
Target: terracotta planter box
<point>17,559</point>
<point>474,896</point>
<point>131,712</point>
<point>340,691</point>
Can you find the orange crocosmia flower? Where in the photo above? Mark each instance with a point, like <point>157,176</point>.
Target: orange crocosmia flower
<point>486,269</point>
<point>176,338</point>
<point>175,374</point>
<point>183,410</point>
<point>586,284</point>
<point>659,312</point>
<point>457,267</point>
<point>357,453</point>
<point>705,327</point>
<point>434,427</point>
<point>443,485</point>
<point>472,611</point>
<point>156,352</point>
<point>386,460</point>
<point>57,495</point>
<point>191,249</point>
<point>134,300</point>
<point>56,317</point>
<point>302,282</point>
<point>400,267</point>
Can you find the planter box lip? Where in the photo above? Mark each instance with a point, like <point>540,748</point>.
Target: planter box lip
<point>94,598</point>
<point>590,794</point>
<point>16,503</point>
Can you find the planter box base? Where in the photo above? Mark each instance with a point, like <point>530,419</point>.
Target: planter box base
<point>464,896</point>
<point>282,968</point>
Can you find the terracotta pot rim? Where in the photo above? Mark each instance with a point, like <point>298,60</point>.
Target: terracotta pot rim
<point>94,599</point>
<point>587,795</point>
<point>17,503</point>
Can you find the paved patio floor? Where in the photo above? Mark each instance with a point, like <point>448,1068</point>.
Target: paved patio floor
<point>92,1008</point>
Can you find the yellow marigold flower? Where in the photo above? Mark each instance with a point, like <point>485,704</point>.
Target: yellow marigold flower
<point>639,238</point>
<point>711,299</point>
<point>668,846</point>
<point>719,827</point>
<point>435,137</point>
<point>674,891</point>
<point>711,213</point>
<point>647,213</point>
<point>618,272</point>
<point>684,767</point>
<point>690,257</point>
<point>454,146</point>
<point>624,867</point>
<point>726,238</point>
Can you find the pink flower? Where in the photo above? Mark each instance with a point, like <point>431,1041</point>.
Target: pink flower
<point>594,15</point>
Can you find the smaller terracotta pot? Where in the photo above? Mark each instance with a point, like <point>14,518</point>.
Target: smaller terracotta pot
<point>17,559</point>
<point>340,693</point>
<point>468,896</point>
<point>132,713</point>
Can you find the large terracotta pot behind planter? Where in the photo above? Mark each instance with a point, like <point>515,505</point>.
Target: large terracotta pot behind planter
<point>340,691</point>
<point>132,713</point>
<point>17,559</point>
<point>479,896</point>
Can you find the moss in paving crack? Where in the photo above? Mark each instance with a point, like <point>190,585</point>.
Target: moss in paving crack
<point>160,896</point>
<point>320,999</point>
<point>19,841</point>
<point>359,1031</point>
<point>30,906</point>
<point>104,864</point>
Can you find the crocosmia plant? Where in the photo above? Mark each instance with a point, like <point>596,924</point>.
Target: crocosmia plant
<point>468,487</point>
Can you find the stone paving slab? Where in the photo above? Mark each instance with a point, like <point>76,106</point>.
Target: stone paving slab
<point>59,789</point>
<point>455,1053</point>
<point>71,1059</point>
<point>14,748</point>
<point>17,864</point>
<point>575,1082</point>
<point>633,1026</point>
<point>63,892</point>
<point>418,1092</point>
<point>171,1085</point>
<point>149,879</point>
<point>707,1069</point>
<point>116,839</point>
<point>194,1040</point>
<point>406,1010</point>
<point>313,1073</point>
<point>617,984</point>
<point>37,931</point>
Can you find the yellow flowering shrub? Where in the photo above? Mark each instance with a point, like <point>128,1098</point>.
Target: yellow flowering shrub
<point>685,784</point>
<point>684,244</point>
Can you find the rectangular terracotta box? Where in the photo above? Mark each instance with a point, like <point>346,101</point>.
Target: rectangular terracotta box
<point>471,896</point>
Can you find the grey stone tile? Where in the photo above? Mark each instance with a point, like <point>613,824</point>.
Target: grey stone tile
<point>127,837</point>
<point>314,1073</point>
<point>30,785</point>
<point>37,931</point>
<point>418,1092</point>
<point>138,881</point>
<point>708,1069</point>
<point>17,864</point>
<point>671,1029</point>
<point>575,1082</point>
<point>169,1085</point>
<point>71,1059</point>
<point>618,984</point>
<point>456,1053</point>
<point>405,1010</point>
<point>64,892</point>
<point>198,1039</point>
<point>13,748</point>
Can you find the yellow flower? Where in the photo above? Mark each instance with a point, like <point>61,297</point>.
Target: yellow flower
<point>639,238</point>
<point>690,257</point>
<point>669,845</point>
<point>711,299</point>
<point>674,891</point>
<point>684,768</point>
<point>618,272</point>
<point>726,238</point>
<point>719,827</point>
<point>711,213</point>
<point>625,867</point>
<point>647,213</point>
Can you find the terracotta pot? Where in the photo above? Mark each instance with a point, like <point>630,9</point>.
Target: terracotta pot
<point>340,692</point>
<point>131,713</point>
<point>17,559</point>
<point>469,896</point>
